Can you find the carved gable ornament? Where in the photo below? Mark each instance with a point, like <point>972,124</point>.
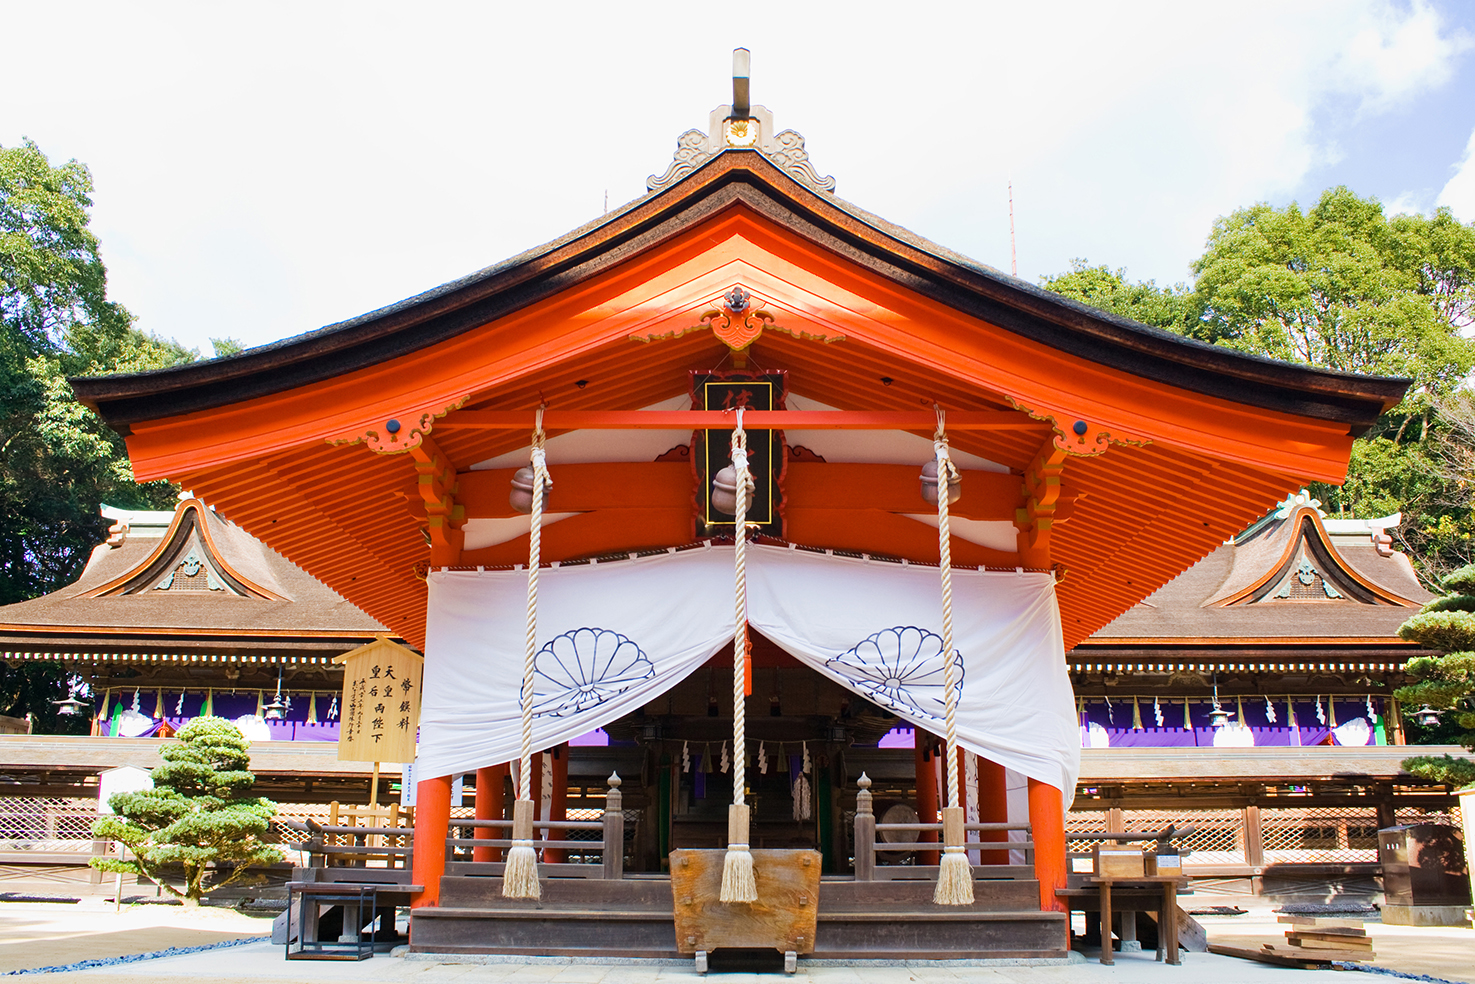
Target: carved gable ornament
<point>741,126</point>
<point>738,318</point>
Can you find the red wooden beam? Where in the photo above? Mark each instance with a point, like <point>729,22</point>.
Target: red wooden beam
<point>913,420</point>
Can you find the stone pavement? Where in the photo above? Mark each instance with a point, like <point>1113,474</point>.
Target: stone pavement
<point>263,962</point>
<point>38,935</point>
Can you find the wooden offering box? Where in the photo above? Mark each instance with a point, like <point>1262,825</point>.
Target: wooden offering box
<point>1116,861</point>
<point>783,918</point>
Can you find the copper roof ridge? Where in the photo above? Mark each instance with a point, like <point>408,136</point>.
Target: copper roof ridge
<point>168,542</point>
<point>738,177</point>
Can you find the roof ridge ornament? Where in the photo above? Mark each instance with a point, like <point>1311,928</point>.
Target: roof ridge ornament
<point>742,126</point>
<point>1294,501</point>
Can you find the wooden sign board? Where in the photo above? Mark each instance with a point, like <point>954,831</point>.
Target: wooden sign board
<point>379,712</point>
<point>712,449</point>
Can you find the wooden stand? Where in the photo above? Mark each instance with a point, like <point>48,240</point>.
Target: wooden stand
<point>784,917</point>
<point>1167,932</point>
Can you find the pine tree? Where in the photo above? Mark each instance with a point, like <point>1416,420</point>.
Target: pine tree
<point>1446,681</point>
<point>198,813</point>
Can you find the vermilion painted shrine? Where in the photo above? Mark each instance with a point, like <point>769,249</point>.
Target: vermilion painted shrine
<point>1099,459</point>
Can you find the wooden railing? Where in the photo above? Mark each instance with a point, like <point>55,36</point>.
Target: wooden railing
<point>461,851</point>
<point>867,846</point>
<point>334,845</point>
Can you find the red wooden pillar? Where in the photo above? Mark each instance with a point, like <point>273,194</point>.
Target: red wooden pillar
<point>993,807</point>
<point>490,783</point>
<point>927,805</point>
<point>432,825</point>
<point>558,808</point>
<point>1047,822</point>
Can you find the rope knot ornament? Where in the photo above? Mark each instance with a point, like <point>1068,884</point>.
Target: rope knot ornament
<point>520,877</point>
<point>954,874</point>
<point>738,882</point>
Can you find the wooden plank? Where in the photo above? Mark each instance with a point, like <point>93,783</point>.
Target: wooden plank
<point>915,420</point>
<point>783,918</point>
<point>1265,956</point>
<point>1323,924</point>
<point>1345,937</point>
<point>1310,953</point>
<point>1330,942</point>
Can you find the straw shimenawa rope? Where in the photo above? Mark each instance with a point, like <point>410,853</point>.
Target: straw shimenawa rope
<point>955,874</point>
<point>520,876</point>
<point>738,883</point>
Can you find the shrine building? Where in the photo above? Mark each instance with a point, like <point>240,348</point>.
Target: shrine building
<point>1097,459</point>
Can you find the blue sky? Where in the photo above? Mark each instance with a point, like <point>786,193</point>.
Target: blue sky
<point>1407,155</point>
<point>264,170</point>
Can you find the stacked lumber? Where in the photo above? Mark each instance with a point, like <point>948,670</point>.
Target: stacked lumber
<point>1311,941</point>
<point>1327,938</point>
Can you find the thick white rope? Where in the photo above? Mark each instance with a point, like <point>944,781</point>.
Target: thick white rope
<point>541,481</point>
<point>946,473</point>
<point>955,876</point>
<point>739,882</point>
<point>740,603</point>
<point>520,874</point>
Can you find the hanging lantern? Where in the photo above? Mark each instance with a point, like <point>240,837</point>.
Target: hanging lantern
<point>277,709</point>
<point>520,497</point>
<point>1426,716</point>
<point>70,707</point>
<point>724,491</point>
<point>929,484</point>
<point>1218,716</point>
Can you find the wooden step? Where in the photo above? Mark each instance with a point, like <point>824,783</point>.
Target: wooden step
<point>583,928</point>
<point>477,892</point>
<point>888,896</point>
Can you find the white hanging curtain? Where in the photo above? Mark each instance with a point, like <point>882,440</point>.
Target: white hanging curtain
<point>612,637</point>
<point>874,627</point>
<point>616,635</point>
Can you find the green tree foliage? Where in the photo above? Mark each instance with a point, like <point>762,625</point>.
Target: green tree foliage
<point>1175,308</point>
<point>57,460</point>
<point>1344,287</point>
<point>1447,680</point>
<point>197,814</point>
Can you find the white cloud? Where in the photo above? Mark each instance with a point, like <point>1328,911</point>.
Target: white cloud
<point>1406,203</point>
<point>1459,193</point>
<point>1399,53</point>
<point>264,170</point>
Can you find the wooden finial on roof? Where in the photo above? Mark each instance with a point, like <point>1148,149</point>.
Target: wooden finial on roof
<point>741,71</point>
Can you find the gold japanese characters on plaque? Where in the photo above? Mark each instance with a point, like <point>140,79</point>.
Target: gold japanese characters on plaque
<point>380,703</point>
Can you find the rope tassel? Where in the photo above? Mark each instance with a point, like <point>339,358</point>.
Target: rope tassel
<point>520,877</point>
<point>954,874</point>
<point>738,882</point>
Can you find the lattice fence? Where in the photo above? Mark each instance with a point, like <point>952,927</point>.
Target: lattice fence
<point>1320,834</point>
<point>1218,836</point>
<point>1083,822</point>
<point>46,823</point>
<point>1414,814</point>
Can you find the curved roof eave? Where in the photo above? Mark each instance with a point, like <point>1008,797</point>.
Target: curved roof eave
<point>742,177</point>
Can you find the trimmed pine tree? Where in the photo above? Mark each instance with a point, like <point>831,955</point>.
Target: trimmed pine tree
<point>199,813</point>
<point>1446,681</point>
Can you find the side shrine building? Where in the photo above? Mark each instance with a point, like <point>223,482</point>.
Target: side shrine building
<point>1096,458</point>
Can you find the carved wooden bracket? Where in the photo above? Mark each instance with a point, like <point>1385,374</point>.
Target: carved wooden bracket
<point>437,484</point>
<point>737,321</point>
<point>1041,491</point>
<point>1078,436</point>
<point>402,433</point>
